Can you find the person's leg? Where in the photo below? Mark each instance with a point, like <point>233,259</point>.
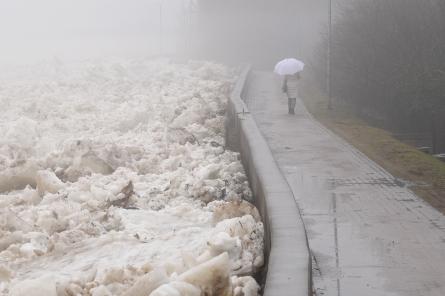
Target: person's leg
<point>291,104</point>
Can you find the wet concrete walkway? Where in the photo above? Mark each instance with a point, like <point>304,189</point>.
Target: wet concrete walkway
<point>369,234</point>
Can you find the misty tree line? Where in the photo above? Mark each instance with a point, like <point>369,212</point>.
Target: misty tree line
<point>388,63</point>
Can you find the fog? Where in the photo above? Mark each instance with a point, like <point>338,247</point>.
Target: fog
<point>35,30</point>
<point>116,177</point>
<point>260,32</point>
<point>229,31</point>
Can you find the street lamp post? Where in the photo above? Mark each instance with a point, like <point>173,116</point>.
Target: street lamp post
<point>190,8</point>
<point>329,65</point>
<point>160,27</point>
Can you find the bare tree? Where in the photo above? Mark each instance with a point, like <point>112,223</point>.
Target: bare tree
<point>388,61</point>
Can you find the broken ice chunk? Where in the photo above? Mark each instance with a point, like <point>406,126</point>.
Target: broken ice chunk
<point>147,283</point>
<point>244,286</point>
<point>44,286</point>
<point>47,181</point>
<point>212,276</point>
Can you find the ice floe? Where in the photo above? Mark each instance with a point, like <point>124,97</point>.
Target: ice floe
<point>115,180</point>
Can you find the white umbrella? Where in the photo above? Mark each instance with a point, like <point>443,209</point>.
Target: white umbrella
<point>289,67</point>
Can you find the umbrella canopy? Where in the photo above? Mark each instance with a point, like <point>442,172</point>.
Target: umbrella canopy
<point>289,67</point>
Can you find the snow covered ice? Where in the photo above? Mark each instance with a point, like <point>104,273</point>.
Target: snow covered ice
<point>115,180</point>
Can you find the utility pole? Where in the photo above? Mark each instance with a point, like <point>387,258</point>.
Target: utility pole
<point>160,27</point>
<point>434,131</point>
<point>192,14</point>
<point>188,25</point>
<point>329,65</point>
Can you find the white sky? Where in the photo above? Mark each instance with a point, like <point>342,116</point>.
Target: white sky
<point>37,29</point>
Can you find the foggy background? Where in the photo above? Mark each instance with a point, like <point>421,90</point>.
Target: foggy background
<point>230,31</point>
<point>387,63</point>
<point>68,29</point>
<point>261,32</point>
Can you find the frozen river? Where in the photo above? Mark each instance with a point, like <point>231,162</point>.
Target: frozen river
<point>114,180</point>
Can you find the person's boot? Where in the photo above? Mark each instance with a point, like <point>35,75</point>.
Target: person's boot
<point>291,105</point>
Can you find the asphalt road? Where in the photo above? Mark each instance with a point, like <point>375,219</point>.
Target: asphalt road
<point>369,234</point>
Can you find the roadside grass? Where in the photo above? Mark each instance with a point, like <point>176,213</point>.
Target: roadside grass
<point>424,173</point>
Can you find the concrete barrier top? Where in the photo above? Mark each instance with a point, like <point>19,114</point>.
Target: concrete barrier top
<point>288,260</point>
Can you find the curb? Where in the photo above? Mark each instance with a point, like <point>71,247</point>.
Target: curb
<point>288,263</point>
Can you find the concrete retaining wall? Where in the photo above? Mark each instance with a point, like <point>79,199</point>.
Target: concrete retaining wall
<point>288,261</point>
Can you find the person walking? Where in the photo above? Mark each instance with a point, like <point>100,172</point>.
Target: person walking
<point>290,87</point>
<point>290,69</point>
